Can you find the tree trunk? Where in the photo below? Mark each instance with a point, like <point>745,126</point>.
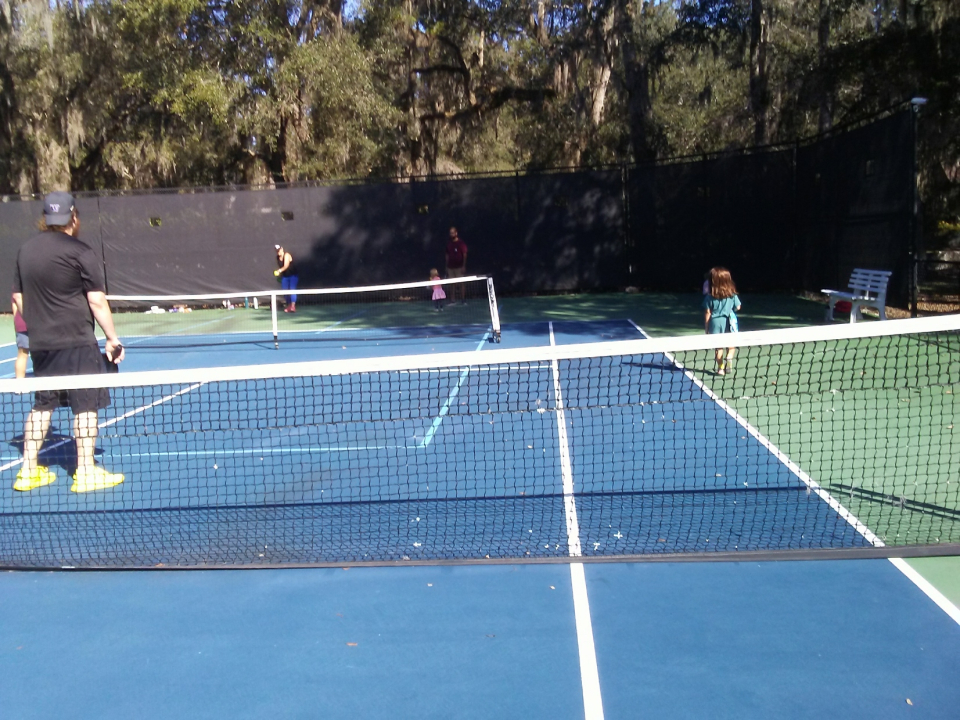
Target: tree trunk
<point>598,92</point>
<point>637,81</point>
<point>604,49</point>
<point>905,13</point>
<point>823,42</point>
<point>759,95</point>
<point>278,158</point>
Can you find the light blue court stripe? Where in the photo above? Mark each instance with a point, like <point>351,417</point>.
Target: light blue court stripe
<point>246,451</point>
<point>428,438</point>
<point>264,451</point>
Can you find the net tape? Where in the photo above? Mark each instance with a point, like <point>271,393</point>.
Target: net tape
<point>400,310</point>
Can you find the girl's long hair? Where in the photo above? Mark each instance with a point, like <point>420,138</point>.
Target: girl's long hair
<point>721,284</point>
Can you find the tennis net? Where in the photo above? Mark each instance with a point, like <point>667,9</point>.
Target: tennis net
<point>836,437</point>
<point>403,310</point>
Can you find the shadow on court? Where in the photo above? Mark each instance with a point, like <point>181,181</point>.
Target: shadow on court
<point>57,450</point>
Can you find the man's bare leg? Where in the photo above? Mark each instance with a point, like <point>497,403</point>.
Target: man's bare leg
<point>20,364</point>
<point>34,432</point>
<point>89,476</point>
<point>85,432</point>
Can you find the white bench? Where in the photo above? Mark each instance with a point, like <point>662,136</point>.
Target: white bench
<point>867,288</point>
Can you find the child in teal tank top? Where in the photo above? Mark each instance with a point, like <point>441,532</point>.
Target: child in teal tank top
<point>720,307</point>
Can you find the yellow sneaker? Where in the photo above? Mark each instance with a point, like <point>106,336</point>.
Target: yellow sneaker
<point>38,477</point>
<point>94,478</point>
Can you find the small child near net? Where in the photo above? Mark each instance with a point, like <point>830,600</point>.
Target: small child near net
<point>438,294</point>
<point>720,307</point>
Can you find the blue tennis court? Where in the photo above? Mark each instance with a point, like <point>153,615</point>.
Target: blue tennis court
<point>400,469</point>
<point>387,466</point>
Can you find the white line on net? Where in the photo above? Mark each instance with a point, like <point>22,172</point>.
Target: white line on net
<point>489,358</point>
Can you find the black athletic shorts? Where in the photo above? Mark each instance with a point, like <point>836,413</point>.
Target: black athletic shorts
<point>84,360</point>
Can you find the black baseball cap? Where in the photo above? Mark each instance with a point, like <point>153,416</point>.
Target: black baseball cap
<point>58,208</point>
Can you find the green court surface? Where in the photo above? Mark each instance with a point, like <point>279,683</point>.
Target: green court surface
<point>661,314</point>
<point>844,427</point>
<point>943,573</point>
<point>408,314</point>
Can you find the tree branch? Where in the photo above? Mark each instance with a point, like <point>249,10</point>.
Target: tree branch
<point>496,99</point>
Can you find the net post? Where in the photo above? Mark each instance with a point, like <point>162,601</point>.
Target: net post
<point>494,313</point>
<point>273,319</point>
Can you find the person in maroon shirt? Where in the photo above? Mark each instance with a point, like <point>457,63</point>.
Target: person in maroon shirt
<point>456,265</point>
<point>23,342</point>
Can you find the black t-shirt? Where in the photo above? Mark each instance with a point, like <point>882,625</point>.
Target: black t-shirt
<point>55,272</point>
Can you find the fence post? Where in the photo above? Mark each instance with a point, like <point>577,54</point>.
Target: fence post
<point>103,252</point>
<point>626,229</point>
<point>912,281</point>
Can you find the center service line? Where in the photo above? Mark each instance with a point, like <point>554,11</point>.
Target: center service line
<point>589,674</point>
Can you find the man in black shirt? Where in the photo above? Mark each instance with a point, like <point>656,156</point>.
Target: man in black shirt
<point>59,289</point>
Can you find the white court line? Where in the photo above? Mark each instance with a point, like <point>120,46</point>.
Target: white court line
<point>339,322</point>
<point>566,469</point>
<point>3,345</point>
<point>171,333</point>
<point>900,564</point>
<point>428,438</point>
<point>13,359</point>
<point>589,673</point>
<point>139,410</point>
<point>928,589</point>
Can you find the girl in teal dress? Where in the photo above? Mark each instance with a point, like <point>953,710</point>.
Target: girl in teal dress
<point>720,308</point>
